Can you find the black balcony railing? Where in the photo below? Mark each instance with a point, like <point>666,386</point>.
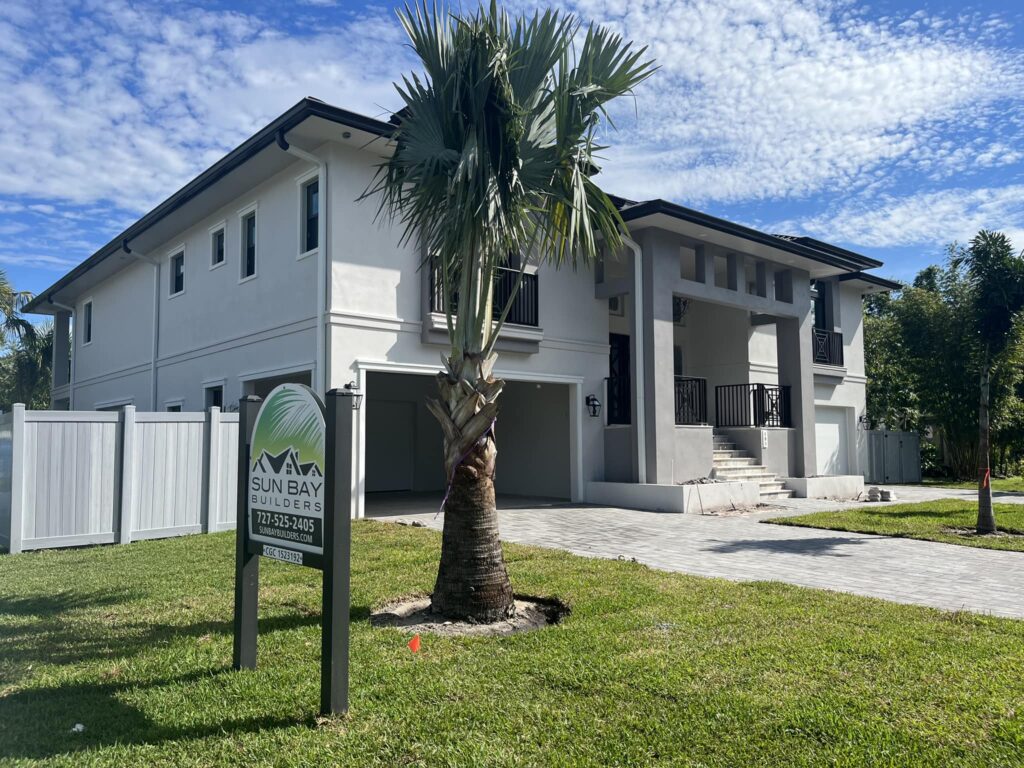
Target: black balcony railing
<point>525,306</point>
<point>828,347</point>
<point>752,405</point>
<point>619,406</point>
<point>691,400</point>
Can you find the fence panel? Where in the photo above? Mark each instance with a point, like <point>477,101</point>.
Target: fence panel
<point>893,457</point>
<point>223,510</point>
<point>69,478</point>
<point>167,475</point>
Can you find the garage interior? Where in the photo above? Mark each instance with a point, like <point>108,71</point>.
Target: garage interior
<point>404,444</point>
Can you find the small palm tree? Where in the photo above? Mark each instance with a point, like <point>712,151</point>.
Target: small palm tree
<point>12,324</point>
<point>494,156</point>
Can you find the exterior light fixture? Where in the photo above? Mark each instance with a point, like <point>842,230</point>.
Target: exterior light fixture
<point>864,422</point>
<point>357,396</point>
<point>593,405</point>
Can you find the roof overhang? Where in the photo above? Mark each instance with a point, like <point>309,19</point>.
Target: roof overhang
<point>869,283</point>
<point>308,124</point>
<point>821,260</point>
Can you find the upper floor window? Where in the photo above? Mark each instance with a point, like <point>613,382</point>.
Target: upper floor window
<point>87,322</point>
<point>310,215</point>
<point>249,244</point>
<point>178,273</point>
<point>217,247</point>
<point>214,396</point>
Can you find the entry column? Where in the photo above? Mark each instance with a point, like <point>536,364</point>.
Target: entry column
<point>796,370</point>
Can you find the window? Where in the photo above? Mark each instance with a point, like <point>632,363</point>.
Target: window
<point>249,244</point>
<point>310,216</point>
<point>87,323</point>
<point>177,273</point>
<point>820,295</point>
<point>176,408</point>
<point>217,247</point>
<point>215,397</point>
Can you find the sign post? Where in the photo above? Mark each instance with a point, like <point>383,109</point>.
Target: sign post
<point>295,502</point>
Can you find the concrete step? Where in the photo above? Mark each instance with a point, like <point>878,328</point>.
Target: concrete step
<point>770,495</point>
<point>735,461</point>
<point>771,485</point>
<point>745,477</point>
<point>726,453</point>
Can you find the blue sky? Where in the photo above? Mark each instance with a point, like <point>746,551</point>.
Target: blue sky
<point>891,127</point>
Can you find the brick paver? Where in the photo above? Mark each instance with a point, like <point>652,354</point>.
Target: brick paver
<point>743,549</point>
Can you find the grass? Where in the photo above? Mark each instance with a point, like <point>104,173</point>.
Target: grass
<point>1005,484</point>
<point>650,668</point>
<point>928,520</point>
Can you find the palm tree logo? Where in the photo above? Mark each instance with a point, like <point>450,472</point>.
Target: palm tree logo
<point>289,435</point>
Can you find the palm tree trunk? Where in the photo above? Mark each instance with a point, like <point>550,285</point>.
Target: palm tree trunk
<point>472,581</point>
<point>986,516</point>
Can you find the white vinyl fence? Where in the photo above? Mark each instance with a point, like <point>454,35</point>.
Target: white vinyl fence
<point>69,478</point>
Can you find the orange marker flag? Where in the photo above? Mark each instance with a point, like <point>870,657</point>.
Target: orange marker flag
<point>414,644</point>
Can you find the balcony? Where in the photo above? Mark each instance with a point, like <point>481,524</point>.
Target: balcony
<point>828,347</point>
<point>752,405</point>
<point>691,400</point>
<point>525,309</point>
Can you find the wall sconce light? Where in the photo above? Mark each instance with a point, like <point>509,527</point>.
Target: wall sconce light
<point>357,396</point>
<point>864,422</point>
<point>593,405</point>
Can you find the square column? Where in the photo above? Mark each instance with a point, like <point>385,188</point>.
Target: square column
<point>796,360</point>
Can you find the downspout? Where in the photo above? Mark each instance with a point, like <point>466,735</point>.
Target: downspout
<point>638,324</point>
<point>156,318</point>
<point>322,378</point>
<point>74,355</point>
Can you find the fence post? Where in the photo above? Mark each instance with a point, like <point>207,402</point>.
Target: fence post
<point>17,475</point>
<point>212,469</point>
<point>124,527</point>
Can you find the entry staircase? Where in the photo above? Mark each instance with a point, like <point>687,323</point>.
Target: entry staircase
<point>734,464</point>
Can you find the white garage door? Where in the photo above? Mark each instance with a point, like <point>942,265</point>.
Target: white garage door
<point>831,437</point>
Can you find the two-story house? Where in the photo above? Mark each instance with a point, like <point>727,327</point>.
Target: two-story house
<point>704,348</point>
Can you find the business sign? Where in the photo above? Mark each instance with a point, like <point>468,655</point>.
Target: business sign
<point>286,474</point>
<point>296,499</point>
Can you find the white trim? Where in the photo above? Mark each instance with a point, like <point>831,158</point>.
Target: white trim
<point>207,383</point>
<point>114,403</point>
<point>220,225</point>
<point>243,214</point>
<point>279,371</point>
<point>174,401</point>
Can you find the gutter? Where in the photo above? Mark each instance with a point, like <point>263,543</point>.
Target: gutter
<point>74,355</point>
<point>156,318</point>
<point>322,261</point>
<point>638,324</point>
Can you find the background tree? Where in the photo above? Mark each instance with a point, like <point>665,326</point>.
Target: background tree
<point>493,156</point>
<point>995,276</point>
<point>25,371</point>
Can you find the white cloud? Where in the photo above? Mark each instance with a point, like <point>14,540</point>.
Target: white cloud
<point>928,218</point>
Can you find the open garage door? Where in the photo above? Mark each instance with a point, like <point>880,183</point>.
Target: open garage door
<point>403,440</point>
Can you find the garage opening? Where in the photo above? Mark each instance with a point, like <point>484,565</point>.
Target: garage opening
<point>832,439</point>
<point>404,441</point>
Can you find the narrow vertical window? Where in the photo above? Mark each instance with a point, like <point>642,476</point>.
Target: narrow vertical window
<point>177,273</point>
<point>87,323</point>
<point>311,216</point>
<point>215,397</point>
<point>217,248</point>
<point>249,245</point>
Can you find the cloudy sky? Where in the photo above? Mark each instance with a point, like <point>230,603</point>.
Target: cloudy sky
<point>890,127</point>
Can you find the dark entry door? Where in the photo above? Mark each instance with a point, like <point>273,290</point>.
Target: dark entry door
<point>618,379</point>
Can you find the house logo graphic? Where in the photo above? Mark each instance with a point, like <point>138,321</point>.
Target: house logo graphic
<point>286,473</point>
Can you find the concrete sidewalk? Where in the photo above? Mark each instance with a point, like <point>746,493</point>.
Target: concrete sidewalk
<point>743,549</point>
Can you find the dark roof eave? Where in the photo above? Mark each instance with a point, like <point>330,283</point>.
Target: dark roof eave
<point>866,277</point>
<point>246,150</point>
<point>851,261</point>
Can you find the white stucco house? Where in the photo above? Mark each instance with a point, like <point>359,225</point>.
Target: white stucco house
<point>714,349</point>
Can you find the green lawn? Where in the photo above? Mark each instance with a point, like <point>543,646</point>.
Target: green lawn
<point>650,668</point>
<point>930,520</point>
<point>1006,484</point>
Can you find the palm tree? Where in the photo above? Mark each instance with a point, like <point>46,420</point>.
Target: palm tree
<point>25,373</point>
<point>493,156</point>
<point>995,274</point>
<point>12,324</point>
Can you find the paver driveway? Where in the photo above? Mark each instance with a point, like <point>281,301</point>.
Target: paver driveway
<point>743,549</point>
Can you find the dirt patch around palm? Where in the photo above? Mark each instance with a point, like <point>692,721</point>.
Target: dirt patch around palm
<point>413,614</point>
<point>971,533</point>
